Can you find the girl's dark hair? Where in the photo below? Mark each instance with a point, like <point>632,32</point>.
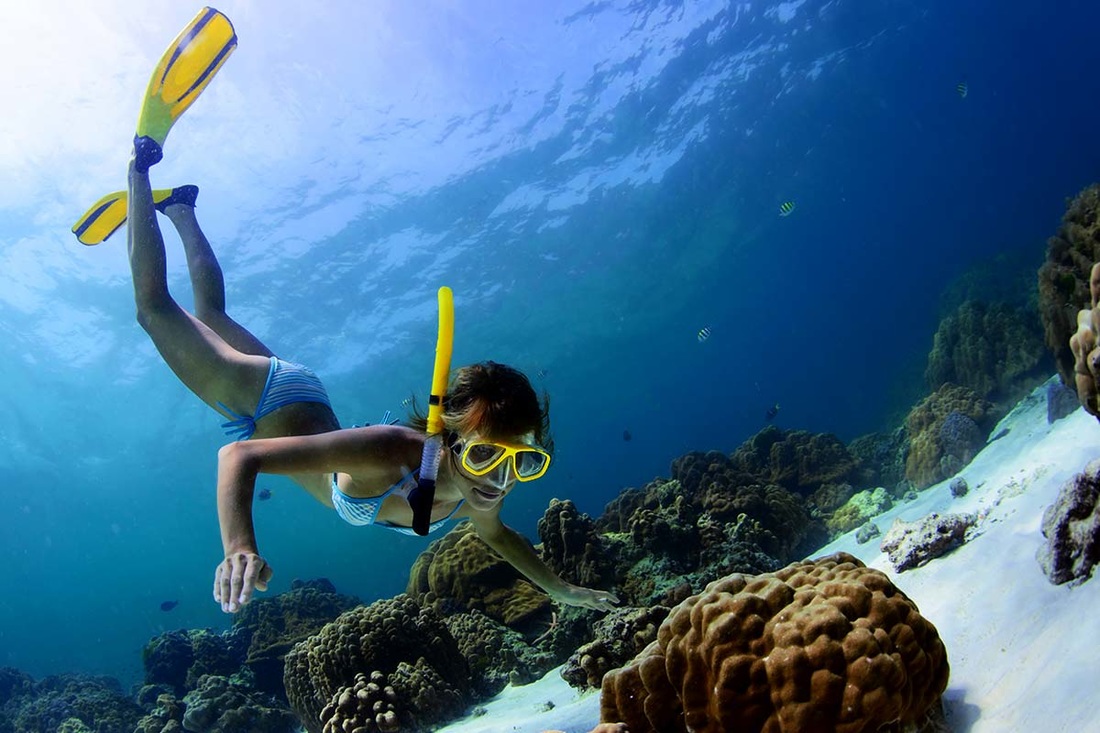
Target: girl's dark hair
<point>495,401</point>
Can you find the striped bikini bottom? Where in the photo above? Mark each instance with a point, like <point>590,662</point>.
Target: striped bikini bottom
<point>286,384</point>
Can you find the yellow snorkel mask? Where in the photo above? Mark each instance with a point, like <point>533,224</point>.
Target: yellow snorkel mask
<point>422,497</point>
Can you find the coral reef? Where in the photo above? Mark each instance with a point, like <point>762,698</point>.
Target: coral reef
<point>572,547</point>
<point>274,625</point>
<point>881,458</point>
<point>945,432</point>
<point>165,716</point>
<point>619,637</point>
<point>828,645</point>
<point>799,461</point>
<point>1071,526</point>
<point>225,705</point>
<point>1062,401</point>
<point>1064,279</point>
<point>672,547</point>
<point>177,659</point>
<point>825,645</point>
<point>459,572</point>
<point>912,544</point>
<point>858,509</point>
<point>781,517</point>
<point>70,702</point>
<point>1085,349</point>
<point>994,349</point>
<point>391,664</point>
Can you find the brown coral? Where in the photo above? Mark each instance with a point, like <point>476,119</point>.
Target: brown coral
<point>620,635</point>
<point>930,444</point>
<point>1086,349</point>
<point>278,623</point>
<point>393,643</point>
<point>572,547</point>
<point>822,646</point>
<point>797,460</point>
<point>994,349</point>
<point>1064,277</point>
<point>460,572</point>
<point>780,515</point>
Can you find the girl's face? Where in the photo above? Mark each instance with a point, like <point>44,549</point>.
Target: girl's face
<point>481,492</point>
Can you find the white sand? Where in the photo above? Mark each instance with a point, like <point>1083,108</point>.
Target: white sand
<point>1024,654</point>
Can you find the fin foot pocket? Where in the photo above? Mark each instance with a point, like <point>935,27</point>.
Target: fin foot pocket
<point>147,153</point>
<point>185,195</point>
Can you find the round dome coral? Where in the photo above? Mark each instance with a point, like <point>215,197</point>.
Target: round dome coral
<point>823,646</point>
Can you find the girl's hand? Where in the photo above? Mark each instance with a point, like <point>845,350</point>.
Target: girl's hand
<point>599,600</point>
<point>238,575</point>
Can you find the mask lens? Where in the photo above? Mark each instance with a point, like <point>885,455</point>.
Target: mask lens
<point>480,456</point>
<point>499,476</point>
<point>529,463</point>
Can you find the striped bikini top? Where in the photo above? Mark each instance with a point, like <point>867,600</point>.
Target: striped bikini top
<point>362,511</point>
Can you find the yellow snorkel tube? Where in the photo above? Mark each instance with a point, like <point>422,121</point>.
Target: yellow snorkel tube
<point>422,497</point>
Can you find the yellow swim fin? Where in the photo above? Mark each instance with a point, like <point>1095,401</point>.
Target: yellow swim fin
<point>184,70</point>
<point>109,213</point>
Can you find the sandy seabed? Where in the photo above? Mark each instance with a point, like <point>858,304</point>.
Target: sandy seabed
<point>1024,654</point>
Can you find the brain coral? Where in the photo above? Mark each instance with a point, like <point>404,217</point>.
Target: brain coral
<point>1064,277</point>
<point>388,664</point>
<point>460,573</point>
<point>828,645</point>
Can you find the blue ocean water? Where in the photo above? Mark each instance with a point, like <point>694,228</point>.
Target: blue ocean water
<point>597,181</point>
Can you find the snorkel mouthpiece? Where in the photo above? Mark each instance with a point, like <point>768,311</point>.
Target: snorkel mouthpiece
<point>422,497</point>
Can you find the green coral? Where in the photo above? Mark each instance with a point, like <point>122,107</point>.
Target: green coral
<point>861,507</point>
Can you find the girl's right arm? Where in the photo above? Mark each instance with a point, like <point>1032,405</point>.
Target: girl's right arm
<point>362,450</point>
<point>242,570</point>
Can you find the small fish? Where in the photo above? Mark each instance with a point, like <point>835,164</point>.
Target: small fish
<point>772,412</point>
<point>962,89</point>
<point>786,208</point>
<point>406,402</point>
<point>168,605</point>
<point>541,373</point>
<point>627,436</point>
<point>263,494</point>
<point>704,334</point>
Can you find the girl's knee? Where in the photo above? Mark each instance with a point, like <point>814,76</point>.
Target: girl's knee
<point>152,308</point>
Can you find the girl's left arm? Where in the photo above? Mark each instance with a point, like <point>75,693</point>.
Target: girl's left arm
<point>515,548</point>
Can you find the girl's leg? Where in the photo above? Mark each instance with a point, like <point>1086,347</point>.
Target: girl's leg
<point>208,283</point>
<point>203,361</point>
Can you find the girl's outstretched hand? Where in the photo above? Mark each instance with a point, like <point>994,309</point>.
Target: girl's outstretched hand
<point>237,577</point>
<point>599,600</point>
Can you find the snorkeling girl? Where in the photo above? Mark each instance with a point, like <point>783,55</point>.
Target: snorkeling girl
<point>496,431</point>
<point>494,428</point>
